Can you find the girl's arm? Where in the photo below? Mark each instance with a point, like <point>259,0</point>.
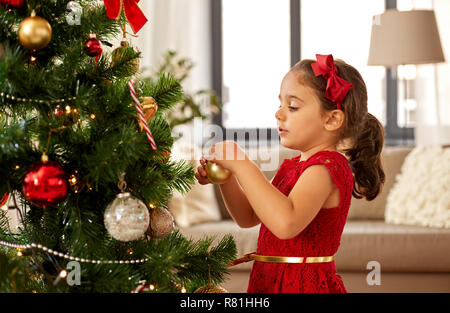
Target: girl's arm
<point>237,204</point>
<point>284,216</point>
<point>235,200</point>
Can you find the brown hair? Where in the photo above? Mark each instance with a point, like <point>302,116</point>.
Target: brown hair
<point>363,129</point>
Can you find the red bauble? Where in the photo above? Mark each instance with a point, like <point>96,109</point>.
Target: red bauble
<point>4,199</point>
<point>12,3</point>
<point>45,184</point>
<point>93,47</point>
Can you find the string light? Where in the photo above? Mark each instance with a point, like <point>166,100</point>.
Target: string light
<point>92,116</point>
<point>67,256</point>
<point>73,180</point>
<point>19,253</point>
<point>7,96</point>
<point>63,274</point>
<point>5,208</point>
<point>183,290</point>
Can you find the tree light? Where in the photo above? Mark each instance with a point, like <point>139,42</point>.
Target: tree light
<point>63,274</point>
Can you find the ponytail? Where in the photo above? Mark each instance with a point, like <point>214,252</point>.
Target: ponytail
<point>363,130</point>
<point>365,159</point>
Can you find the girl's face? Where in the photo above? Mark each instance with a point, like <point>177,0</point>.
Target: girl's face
<point>299,119</point>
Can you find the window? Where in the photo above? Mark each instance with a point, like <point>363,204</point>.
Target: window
<point>343,29</point>
<point>255,42</point>
<point>256,55</point>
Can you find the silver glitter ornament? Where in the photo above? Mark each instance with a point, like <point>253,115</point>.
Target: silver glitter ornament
<point>127,218</point>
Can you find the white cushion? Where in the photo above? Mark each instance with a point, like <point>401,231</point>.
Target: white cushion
<point>421,194</point>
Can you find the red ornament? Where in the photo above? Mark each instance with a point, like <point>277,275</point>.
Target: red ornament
<point>4,199</point>
<point>93,48</point>
<point>12,3</point>
<point>45,184</point>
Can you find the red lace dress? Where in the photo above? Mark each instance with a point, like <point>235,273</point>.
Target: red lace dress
<point>320,238</point>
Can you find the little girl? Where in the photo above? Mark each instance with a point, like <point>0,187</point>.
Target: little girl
<point>303,210</point>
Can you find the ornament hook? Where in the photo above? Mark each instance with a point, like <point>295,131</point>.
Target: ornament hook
<point>122,184</point>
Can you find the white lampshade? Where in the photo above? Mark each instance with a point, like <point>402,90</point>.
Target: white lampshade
<point>405,37</point>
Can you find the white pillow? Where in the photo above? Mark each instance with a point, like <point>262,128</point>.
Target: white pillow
<point>421,193</point>
<point>200,204</point>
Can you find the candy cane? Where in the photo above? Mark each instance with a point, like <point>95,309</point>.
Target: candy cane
<point>141,114</point>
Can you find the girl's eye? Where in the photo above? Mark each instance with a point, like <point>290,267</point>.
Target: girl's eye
<point>292,108</point>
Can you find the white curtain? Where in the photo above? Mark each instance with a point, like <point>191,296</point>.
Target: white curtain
<point>180,25</point>
<point>433,88</point>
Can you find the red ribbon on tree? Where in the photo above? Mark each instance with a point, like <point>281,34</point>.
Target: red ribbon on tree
<point>133,13</point>
<point>337,87</point>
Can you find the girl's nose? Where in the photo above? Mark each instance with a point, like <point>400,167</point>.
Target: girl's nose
<point>279,114</point>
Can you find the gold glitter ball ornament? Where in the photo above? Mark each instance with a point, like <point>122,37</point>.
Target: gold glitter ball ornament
<point>211,289</point>
<point>161,223</point>
<point>118,53</point>
<point>34,32</point>
<point>2,50</point>
<point>216,173</point>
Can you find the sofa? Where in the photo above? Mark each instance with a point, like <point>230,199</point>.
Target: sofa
<point>409,258</point>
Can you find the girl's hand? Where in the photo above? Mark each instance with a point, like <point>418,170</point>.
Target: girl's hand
<point>227,154</point>
<point>201,175</point>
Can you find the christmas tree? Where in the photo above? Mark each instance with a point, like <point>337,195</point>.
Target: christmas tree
<point>85,158</point>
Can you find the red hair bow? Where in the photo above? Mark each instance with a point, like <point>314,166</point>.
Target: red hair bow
<point>337,88</point>
<point>133,13</point>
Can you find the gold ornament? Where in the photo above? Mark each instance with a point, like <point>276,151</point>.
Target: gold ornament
<point>149,106</point>
<point>2,50</point>
<point>34,32</point>
<point>161,223</point>
<point>211,289</point>
<point>118,52</point>
<point>216,173</point>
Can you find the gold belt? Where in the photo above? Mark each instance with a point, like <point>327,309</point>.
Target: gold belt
<point>281,259</point>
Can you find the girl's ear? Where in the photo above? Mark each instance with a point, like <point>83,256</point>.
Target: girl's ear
<point>334,120</point>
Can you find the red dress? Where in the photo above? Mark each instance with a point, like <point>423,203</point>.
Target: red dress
<point>320,238</point>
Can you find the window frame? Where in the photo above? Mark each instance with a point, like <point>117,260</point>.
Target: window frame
<point>394,135</point>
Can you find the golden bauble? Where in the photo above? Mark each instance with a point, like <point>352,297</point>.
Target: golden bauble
<point>211,289</point>
<point>2,50</point>
<point>216,173</point>
<point>161,223</point>
<point>34,32</point>
<point>118,52</point>
<point>149,106</point>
